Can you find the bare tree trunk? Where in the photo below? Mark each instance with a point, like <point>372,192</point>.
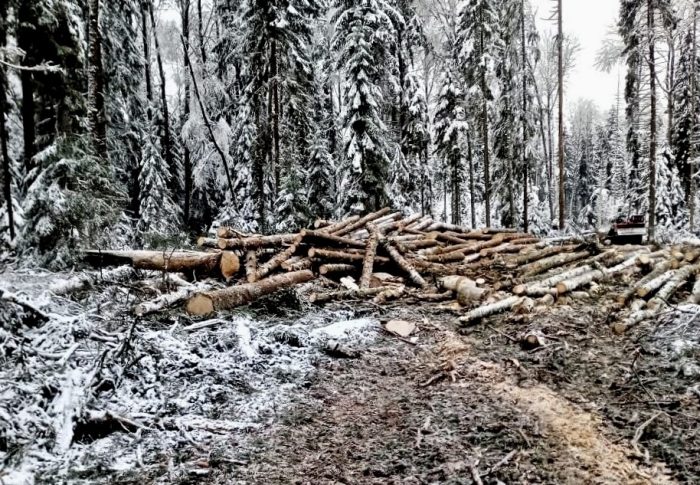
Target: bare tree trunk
<point>472,205</point>
<point>276,116</point>
<point>550,160</point>
<point>167,140</point>
<point>525,134</point>
<point>560,46</point>
<point>185,18</point>
<point>147,60</point>
<point>6,172</point>
<point>485,129</point>
<point>690,195</point>
<point>97,120</point>
<point>200,31</point>
<point>652,121</point>
<point>25,20</point>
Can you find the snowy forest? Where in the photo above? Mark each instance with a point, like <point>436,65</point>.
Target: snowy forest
<point>144,122</point>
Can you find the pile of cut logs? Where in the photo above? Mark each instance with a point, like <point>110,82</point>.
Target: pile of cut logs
<point>386,255</point>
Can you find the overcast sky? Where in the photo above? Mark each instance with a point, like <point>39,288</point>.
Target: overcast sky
<point>588,21</point>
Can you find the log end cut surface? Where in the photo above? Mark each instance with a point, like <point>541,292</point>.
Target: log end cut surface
<point>200,305</point>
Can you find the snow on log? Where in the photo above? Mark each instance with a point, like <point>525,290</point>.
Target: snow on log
<point>694,296</point>
<point>396,256</point>
<point>530,257</point>
<point>370,254</point>
<point>491,309</point>
<point>84,281</point>
<point>227,298</point>
<point>360,223</point>
<point>256,241</point>
<point>545,264</point>
<point>543,286</point>
<point>632,320</point>
<point>24,304</point>
<point>576,282</point>
<point>175,261</point>
<point>658,270</point>
<point>168,300</point>
<point>680,277</point>
<point>652,285</point>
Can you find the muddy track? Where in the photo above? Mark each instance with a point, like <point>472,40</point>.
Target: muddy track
<point>464,409</point>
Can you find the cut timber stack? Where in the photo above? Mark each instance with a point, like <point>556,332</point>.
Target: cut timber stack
<point>386,255</point>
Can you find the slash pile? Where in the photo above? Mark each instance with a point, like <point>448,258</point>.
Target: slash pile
<point>385,255</point>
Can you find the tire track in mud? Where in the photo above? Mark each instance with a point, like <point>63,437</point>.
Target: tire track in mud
<point>573,438</point>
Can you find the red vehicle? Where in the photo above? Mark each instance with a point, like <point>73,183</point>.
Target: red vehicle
<point>628,230</point>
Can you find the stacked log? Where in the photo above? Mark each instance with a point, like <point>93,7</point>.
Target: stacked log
<point>386,255</point>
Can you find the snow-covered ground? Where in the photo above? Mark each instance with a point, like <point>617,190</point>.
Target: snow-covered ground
<point>93,394</point>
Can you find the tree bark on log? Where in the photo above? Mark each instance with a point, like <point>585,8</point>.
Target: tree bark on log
<point>680,277</point>
<point>537,255</point>
<point>257,241</point>
<point>361,222</point>
<point>208,242</point>
<point>340,224</point>
<point>227,298</point>
<point>396,256</point>
<point>660,269</point>
<point>451,257</point>
<point>370,253</point>
<point>331,239</point>
<point>175,261</point>
<point>297,265</point>
<point>652,285</point>
<point>491,309</point>
<point>277,260</point>
<point>537,287</point>
<point>342,256</point>
<point>226,232</point>
<point>325,269</point>
<point>347,294</point>
<point>168,300</point>
<point>251,266</point>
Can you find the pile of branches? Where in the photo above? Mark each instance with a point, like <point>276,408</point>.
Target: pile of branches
<point>386,255</point>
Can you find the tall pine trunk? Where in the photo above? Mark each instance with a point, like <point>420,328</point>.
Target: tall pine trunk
<point>25,21</point>
<point>524,115</point>
<point>652,123</point>
<point>147,61</point>
<point>560,69</point>
<point>97,120</point>
<point>167,140</point>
